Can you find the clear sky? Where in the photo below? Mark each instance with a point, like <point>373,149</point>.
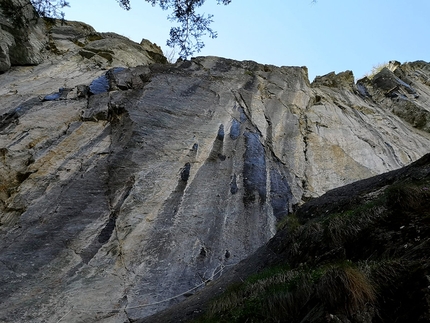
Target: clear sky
<point>330,35</point>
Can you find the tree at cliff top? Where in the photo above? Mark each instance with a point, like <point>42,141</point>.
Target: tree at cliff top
<point>49,8</point>
<point>192,27</point>
<point>187,36</point>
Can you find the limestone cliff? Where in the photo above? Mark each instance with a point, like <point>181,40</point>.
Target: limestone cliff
<point>128,183</point>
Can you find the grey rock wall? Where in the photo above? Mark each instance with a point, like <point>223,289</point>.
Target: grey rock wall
<point>137,183</point>
<point>22,34</point>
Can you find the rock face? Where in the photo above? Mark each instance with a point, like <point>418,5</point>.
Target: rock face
<point>357,254</point>
<point>27,39</point>
<point>127,184</point>
<point>22,34</point>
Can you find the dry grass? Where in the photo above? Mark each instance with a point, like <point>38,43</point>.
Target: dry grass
<point>408,196</point>
<point>345,289</point>
<point>375,70</point>
<point>346,226</point>
<point>237,295</point>
<point>383,272</point>
<point>342,288</point>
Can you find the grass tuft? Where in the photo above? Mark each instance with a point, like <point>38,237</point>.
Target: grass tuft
<point>345,289</point>
<point>408,196</point>
<point>280,292</point>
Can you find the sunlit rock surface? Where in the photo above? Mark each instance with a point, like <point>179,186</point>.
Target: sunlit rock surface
<point>127,184</point>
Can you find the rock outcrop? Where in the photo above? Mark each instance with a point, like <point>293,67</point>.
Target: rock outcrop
<point>27,39</point>
<point>22,34</point>
<point>128,183</point>
<point>357,254</point>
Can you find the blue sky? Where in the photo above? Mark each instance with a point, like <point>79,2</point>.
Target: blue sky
<point>330,35</point>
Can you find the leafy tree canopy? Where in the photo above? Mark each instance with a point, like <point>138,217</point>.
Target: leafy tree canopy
<point>187,36</point>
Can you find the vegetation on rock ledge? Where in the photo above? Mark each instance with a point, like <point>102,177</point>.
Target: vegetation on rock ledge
<point>365,260</point>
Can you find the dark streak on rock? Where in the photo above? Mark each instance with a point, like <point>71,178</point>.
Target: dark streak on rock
<point>243,116</point>
<point>12,116</point>
<point>249,86</point>
<point>220,135</point>
<point>254,169</point>
<point>280,194</point>
<point>99,85</point>
<point>60,95</point>
<point>21,177</point>
<point>203,252</point>
<point>235,129</point>
<point>233,185</point>
<point>185,172</point>
<point>103,83</point>
<point>218,145</point>
<point>362,89</point>
<point>106,233</point>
